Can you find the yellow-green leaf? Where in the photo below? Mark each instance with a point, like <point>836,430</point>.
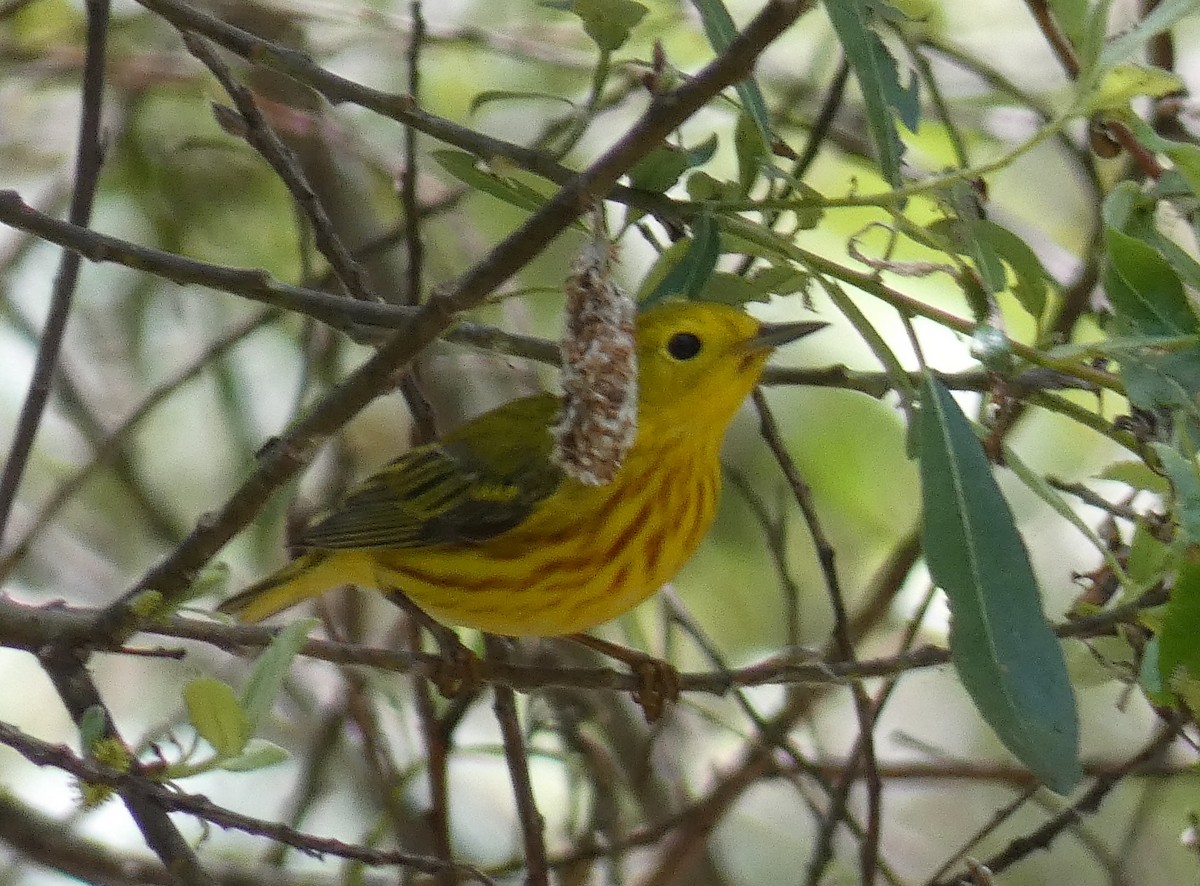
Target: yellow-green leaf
<point>214,711</point>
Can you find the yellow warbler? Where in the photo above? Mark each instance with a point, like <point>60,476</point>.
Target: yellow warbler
<point>482,528</point>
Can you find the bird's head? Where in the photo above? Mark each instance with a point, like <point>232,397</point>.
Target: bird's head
<point>697,361</point>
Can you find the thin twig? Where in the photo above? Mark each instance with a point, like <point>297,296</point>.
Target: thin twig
<point>166,797</point>
<point>437,739</point>
<point>65,666</point>
<point>116,442</point>
<point>537,872</point>
<point>51,843</point>
<point>259,134</point>
<point>89,156</point>
<point>844,645</point>
<point>1087,804</point>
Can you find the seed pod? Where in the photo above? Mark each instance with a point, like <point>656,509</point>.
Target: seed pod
<point>599,414</point>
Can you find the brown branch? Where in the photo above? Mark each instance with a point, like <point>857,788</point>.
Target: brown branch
<point>254,284</point>
<point>32,627</point>
<point>50,843</point>
<point>404,109</point>
<point>166,797</point>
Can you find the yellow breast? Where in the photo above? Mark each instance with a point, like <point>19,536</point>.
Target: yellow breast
<point>585,556</point>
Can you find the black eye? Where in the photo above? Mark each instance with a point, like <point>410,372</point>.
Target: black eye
<point>683,346</point>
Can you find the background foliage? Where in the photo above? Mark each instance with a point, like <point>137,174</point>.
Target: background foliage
<point>282,204</point>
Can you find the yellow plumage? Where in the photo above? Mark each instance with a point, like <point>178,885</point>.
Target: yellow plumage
<point>482,529</point>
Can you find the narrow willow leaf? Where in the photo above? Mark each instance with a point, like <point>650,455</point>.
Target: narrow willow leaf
<point>1038,486</point>
<point>1150,559</point>
<point>217,716</point>
<point>1133,212</point>
<point>1187,160</point>
<point>270,669</point>
<point>1163,16</point>
<point>465,168</point>
<point>1179,641</point>
<point>1126,82</point>
<point>663,166</point>
<point>663,265</point>
<point>1031,277</point>
<point>503,95</point>
<point>875,70</point>
<point>1006,655</point>
<point>720,29</point>
<point>1071,16</point>
<point>691,275</point>
<point>258,754</point>
<point>1150,678</point>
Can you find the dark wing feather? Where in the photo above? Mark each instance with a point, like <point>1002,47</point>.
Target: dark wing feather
<point>480,481</point>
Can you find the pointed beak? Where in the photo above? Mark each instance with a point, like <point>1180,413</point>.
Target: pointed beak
<point>772,335</point>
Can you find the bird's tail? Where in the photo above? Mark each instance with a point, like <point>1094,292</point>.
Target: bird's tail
<point>307,576</point>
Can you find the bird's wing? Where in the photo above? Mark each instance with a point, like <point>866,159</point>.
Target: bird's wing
<point>481,480</point>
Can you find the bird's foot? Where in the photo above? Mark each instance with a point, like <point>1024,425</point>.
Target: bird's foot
<point>458,672</point>
<point>658,682</point>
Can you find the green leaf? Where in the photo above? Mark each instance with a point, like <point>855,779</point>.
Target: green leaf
<point>1186,689</point>
<point>1006,655</point>
<point>1186,485</point>
<point>1071,16</point>
<point>607,22</point>
<point>690,276</point>
<point>964,235</point>
<point>271,668</point>
<point>878,79</point>
<point>719,27</point>
<point>1136,474</point>
<point>1127,81</point>
<point>498,95</point>
<point>93,726</point>
<point>465,167</point>
<point>988,245</point>
<point>217,716</point>
<point>1030,277</point>
<point>1163,16</point>
<point>1187,161</point>
<point>1047,493</point>
<point>1149,677</point>
<point>1091,43</point>
<point>759,286</point>
<point>752,154</point>
<point>662,167</point>
<point>1179,639</point>
<point>1133,212</point>
<point>258,754</point>
<point>1144,289</point>
<point>1149,560</point>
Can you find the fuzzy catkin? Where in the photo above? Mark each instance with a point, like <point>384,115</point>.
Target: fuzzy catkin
<point>599,415</point>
